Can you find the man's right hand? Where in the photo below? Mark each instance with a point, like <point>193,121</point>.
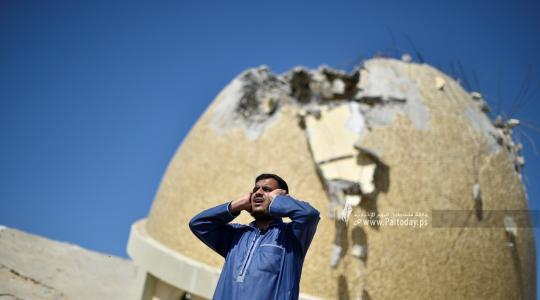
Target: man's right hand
<point>240,204</point>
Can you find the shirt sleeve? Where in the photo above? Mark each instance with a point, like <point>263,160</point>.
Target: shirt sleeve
<point>212,228</point>
<point>304,218</point>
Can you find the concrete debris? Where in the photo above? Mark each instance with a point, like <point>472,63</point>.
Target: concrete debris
<point>339,191</point>
<point>250,101</point>
<point>257,86</point>
<point>520,161</point>
<point>367,173</point>
<point>477,196</point>
<point>512,123</point>
<point>510,225</point>
<point>476,95</point>
<point>406,57</point>
<point>324,84</point>
<point>346,170</point>
<point>339,244</point>
<point>376,92</point>
<point>300,84</point>
<point>335,256</point>
<point>347,209</point>
<point>511,230</point>
<point>329,135</point>
<point>481,102</point>
<point>356,121</point>
<point>353,200</point>
<point>387,90</point>
<point>359,251</point>
<point>338,86</point>
<point>385,83</point>
<point>343,84</point>
<point>439,83</point>
<point>269,105</point>
<point>337,108</point>
<point>253,98</point>
<point>320,86</point>
<point>476,192</point>
<point>498,122</point>
<point>503,135</point>
<point>313,110</point>
<point>484,107</point>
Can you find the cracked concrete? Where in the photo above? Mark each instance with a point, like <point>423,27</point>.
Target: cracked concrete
<point>17,286</point>
<point>250,101</point>
<point>481,123</point>
<point>390,85</point>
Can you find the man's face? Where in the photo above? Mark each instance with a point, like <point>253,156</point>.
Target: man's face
<point>260,200</point>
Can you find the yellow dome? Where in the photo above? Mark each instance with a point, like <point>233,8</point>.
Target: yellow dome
<point>395,142</point>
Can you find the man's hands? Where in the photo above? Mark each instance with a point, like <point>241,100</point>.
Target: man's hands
<point>240,204</point>
<point>244,202</point>
<point>275,193</point>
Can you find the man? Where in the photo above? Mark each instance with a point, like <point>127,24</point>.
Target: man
<point>263,260</point>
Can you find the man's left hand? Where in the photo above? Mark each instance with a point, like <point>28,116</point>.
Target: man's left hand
<point>275,193</point>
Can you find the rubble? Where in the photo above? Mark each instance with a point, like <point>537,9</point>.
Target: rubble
<point>503,135</point>
<point>251,101</point>
<point>511,123</point>
<point>476,192</point>
<point>338,87</point>
<point>439,83</point>
<point>369,96</point>
<point>476,95</point>
<point>478,205</point>
<point>335,256</point>
<point>482,104</point>
<point>336,108</point>
<point>392,90</point>
<point>406,57</point>
<point>359,251</point>
<point>300,85</point>
<point>510,228</point>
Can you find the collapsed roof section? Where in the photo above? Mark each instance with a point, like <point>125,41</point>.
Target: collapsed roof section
<point>375,93</point>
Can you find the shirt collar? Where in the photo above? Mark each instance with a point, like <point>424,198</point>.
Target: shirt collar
<point>273,223</point>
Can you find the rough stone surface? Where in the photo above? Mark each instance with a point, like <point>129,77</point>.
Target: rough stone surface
<point>33,267</point>
<point>430,146</point>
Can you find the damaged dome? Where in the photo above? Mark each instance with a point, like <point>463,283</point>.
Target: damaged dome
<point>390,139</point>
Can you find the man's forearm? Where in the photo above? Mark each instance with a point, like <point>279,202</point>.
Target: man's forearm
<point>211,226</point>
<point>304,218</point>
<point>287,206</point>
<point>236,207</point>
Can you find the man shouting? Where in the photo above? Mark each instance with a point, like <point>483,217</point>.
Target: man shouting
<point>263,260</point>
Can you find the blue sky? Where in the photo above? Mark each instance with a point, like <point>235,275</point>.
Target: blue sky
<point>95,96</point>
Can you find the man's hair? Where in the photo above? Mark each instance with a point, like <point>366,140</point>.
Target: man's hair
<point>281,183</point>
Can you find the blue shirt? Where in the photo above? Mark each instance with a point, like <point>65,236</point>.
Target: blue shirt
<point>259,264</point>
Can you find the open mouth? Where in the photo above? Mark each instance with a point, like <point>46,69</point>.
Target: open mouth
<point>258,200</point>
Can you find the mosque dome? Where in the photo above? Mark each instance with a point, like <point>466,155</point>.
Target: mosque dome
<point>420,193</point>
